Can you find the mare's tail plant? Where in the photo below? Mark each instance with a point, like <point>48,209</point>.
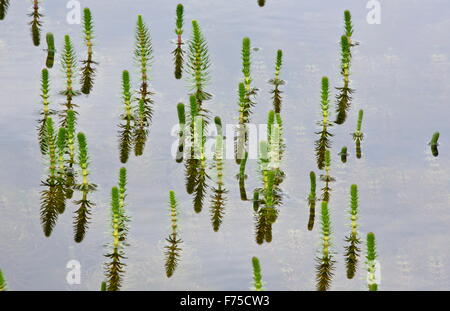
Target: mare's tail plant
<point>88,69</point>
<point>242,176</point>
<point>312,200</point>
<point>70,136</point>
<point>352,251</point>
<point>434,144</point>
<point>371,262</point>
<point>343,154</point>
<point>4,5</point>
<point>257,277</point>
<point>49,197</point>
<point>173,250</point>
<point>325,261</point>
<point>323,143</point>
<point>82,214</point>
<point>61,145</point>
<point>114,269</point>
<point>181,111</point>
<point>143,54</point>
<point>359,135</point>
<point>326,178</point>
<point>51,50</point>
<point>277,82</point>
<point>218,191</point>
<point>178,53</point>
<point>3,286</point>
<point>69,66</point>
<point>344,96</point>
<point>198,63</point>
<point>192,162</point>
<point>126,126</point>
<point>36,23</point>
<point>45,112</point>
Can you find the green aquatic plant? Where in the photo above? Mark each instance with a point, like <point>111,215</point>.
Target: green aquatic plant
<point>124,218</point>
<point>257,277</point>
<point>82,214</point>
<point>178,53</point>
<point>201,175</point>
<point>198,63</point>
<point>70,136</point>
<point>192,162</point>
<point>61,146</point>
<point>88,69</point>
<point>434,144</point>
<point>126,126</point>
<point>69,66</point>
<point>246,100</point>
<point>312,200</point>
<point>343,154</point>
<point>348,25</point>
<point>143,54</point>
<point>323,143</point>
<point>358,135</point>
<point>326,178</point>
<point>325,261</point>
<point>242,176</point>
<point>45,112</point>
<point>51,50</point>
<point>4,5</point>
<point>352,251</point>
<point>36,23</point>
<point>173,250</point>
<point>103,287</point>
<point>114,269</point>
<point>181,112</point>
<point>219,191</point>
<point>371,262</point>
<point>344,96</point>
<point>49,197</point>
<point>3,286</point>
<point>277,82</point>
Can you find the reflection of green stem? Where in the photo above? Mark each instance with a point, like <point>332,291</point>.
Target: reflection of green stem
<point>312,200</point>
<point>50,50</point>
<point>4,4</point>
<point>36,23</point>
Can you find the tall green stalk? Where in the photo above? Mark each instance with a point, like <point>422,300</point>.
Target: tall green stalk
<point>257,277</point>
<point>82,214</point>
<point>36,23</point>
<point>371,262</point>
<point>352,251</point>
<point>312,200</point>
<point>325,262</point>
<point>323,143</point>
<point>69,66</point>
<point>173,250</point>
<point>143,54</point>
<point>277,82</point>
<point>45,112</point>
<point>127,118</point>
<point>181,112</point>
<point>88,69</point>
<point>198,63</point>
<point>178,53</point>
<point>359,135</point>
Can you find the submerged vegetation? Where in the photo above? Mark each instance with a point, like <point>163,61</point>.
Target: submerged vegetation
<point>69,66</point>
<point>352,251</point>
<point>323,143</point>
<point>371,262</point>
<point>4,5</point>
<point>178,53</point>
<point>88,70</point>
<point>434,144</point>
<point>36,23</point>
<point>172,250</point>
<point>325,262</point>
<point>143,54</point>
<point>257,277</point>
<point>50,50</point>
<point>358,135</point>
<point>45,111</point>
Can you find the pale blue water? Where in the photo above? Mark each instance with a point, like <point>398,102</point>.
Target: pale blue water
<point>401,76</point>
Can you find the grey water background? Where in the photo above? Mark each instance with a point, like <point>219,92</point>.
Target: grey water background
<point>401,76</point>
